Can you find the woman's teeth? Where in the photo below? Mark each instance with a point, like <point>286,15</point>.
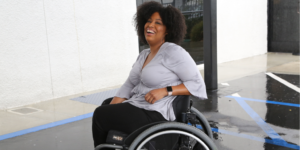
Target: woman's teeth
<point>149,31</point>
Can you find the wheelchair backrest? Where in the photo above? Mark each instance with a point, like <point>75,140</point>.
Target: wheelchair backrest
<point>181,104</point>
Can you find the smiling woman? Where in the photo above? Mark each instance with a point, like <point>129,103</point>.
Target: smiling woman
<point>159,74</point>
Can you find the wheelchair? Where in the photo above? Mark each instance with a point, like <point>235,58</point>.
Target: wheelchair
<point>181,134</point>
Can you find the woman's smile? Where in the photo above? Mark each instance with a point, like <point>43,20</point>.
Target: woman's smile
<point>150,32</point>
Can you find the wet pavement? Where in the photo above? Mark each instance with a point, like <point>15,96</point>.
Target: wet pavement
<point>72,136</point>
<point>255,112</point>
<point>247,120</point>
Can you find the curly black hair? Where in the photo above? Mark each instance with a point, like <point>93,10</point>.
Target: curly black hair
<point>171,18</point>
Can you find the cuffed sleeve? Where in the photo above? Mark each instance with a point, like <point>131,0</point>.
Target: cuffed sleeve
<point>181,63</point>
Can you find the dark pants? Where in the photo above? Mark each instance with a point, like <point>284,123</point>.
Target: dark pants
<point>122,117</point>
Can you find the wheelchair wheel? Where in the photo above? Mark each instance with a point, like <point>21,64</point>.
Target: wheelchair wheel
<point>205,125</point>
<point>177,128</point>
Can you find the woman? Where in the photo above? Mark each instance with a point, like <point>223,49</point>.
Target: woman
<point>159,74</point>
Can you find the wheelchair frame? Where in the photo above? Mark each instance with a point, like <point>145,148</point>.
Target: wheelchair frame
<point>138,138</point>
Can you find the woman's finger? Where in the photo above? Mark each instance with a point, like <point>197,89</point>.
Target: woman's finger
<point>147,97</point>
<point>153,100</point>
<point>150,98</point>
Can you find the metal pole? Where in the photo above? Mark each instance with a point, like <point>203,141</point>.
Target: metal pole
<point>210,44</point>
<point>297,51</point>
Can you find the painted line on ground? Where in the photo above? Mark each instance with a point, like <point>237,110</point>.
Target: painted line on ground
<point>77,118</point>
<point>225,84</point>
<point>274,142</point>
<point>270,132</point>
<point>42,127</point>
<point>276,138</point>
<point>288,84</point>
<point>265,101</point>
<point>236,95</point>
<point>246,136</point>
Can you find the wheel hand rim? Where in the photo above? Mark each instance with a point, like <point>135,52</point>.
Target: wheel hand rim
<point>168,132</point>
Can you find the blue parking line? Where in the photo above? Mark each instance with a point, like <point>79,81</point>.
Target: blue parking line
<point>42,127</point>
<point>276,138</point>
<point>285,144</point>
<point>265,101</point>
<point>270,132</point>
<point>77,118</point>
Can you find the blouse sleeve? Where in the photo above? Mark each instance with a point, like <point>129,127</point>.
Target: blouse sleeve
<point>181,63</point>
<point>125,90</point>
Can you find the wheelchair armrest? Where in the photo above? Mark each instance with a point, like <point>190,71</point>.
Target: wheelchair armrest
<point>107,101</point>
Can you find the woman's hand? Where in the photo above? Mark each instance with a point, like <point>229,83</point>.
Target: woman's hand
<point>117,100</point>
<point>156,95</point>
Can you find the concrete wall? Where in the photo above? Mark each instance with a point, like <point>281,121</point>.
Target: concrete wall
<point>241,29</point>
<point>54,48</point>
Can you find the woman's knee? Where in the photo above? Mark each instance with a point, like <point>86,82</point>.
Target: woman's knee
<point>98,111</point>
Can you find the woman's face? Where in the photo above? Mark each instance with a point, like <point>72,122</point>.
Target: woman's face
<point>155,30</point>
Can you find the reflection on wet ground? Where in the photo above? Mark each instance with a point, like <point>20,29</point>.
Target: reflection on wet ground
<point>247,120</point>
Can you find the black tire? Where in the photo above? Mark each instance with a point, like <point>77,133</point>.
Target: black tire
<point>173,126</point>
<point>205,125</point>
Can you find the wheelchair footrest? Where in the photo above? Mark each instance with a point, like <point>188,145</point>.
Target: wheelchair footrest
<point>116,137</point>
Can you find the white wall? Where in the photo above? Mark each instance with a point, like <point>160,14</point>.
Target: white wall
<point>54,48</point>
<point>241,29</point>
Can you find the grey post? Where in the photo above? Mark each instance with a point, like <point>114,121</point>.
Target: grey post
<point>210,44</point>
